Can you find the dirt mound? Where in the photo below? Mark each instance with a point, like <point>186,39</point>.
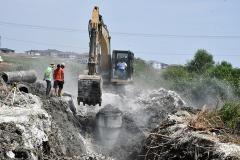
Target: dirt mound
<point>33,127</point>
<point>156,106</point>
<point>28,122</point>
<point>65,126</point>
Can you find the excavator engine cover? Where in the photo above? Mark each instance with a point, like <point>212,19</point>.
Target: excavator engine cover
<point>90,90</point>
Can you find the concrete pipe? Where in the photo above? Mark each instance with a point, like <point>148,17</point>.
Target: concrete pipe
<point>109,124</point>
<point>19,76</point>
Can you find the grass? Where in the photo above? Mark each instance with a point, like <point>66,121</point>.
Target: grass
<point>230,113</point>
<point>206,120</point>
<point>227,117</point>
<point>213,121</point>
<point>16,63</point>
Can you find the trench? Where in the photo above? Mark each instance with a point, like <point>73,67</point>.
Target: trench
<point>114,129</point>
<point>5,78</point>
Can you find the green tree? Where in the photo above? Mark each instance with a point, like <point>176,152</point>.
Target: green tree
<point>201,62</point>
<point>222,71</point>
<point>176,73</point>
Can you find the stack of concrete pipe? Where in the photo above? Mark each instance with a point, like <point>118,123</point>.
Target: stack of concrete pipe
<point>20,77</point>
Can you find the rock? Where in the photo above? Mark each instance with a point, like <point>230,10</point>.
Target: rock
<point>69,98</point>
<point>10,154</point>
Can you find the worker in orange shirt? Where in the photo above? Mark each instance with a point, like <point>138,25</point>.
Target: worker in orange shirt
<point>58,77</point>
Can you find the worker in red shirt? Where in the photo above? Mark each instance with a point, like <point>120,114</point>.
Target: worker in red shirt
<point>58,77</point>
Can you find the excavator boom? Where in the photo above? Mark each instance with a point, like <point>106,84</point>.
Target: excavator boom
<point>90,86</point>
<point>99,52</point>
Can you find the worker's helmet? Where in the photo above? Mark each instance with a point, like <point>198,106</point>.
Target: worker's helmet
<point>52,65</point>
<point>63,65</point>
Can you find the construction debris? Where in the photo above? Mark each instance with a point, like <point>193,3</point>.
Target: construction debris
<point>174,139</point>
<point>27,126</point>
<point>156,106</point>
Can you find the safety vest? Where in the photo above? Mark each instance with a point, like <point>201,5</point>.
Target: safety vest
<point>48,74</point>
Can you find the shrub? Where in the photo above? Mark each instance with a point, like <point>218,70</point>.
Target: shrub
<point>230,114</point>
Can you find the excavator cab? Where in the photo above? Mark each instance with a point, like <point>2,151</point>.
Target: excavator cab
<point>122,67</point>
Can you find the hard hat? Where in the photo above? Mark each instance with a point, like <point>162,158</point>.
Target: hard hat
<point>63,64</point>
<point>52,65</point>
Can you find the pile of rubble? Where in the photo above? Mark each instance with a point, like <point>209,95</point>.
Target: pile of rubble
<point>155,107</point>
<point>174,135</point>
<point>174,139</point>
<point>25,127</point>
<point>159,127</point>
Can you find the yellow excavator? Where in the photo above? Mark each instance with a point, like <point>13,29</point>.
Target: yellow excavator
<point>102,67</point>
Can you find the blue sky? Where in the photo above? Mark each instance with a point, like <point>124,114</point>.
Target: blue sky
<point>159,18</point>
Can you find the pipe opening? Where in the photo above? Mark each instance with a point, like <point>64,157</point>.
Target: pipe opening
<point>5,78</point>
<point>23,89</point>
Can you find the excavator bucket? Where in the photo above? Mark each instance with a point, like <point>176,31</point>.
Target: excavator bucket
<point>90,90</point>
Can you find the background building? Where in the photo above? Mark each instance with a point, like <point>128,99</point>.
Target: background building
<point>6,50</point>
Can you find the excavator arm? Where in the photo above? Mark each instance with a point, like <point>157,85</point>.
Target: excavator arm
<point>99,62</point>
<point>99,52</point>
